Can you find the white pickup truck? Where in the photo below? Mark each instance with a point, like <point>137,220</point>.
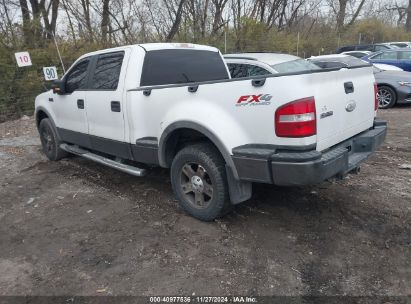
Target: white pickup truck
<point>175,106</point>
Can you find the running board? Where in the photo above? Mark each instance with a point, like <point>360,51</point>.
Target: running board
<point>103,160</point>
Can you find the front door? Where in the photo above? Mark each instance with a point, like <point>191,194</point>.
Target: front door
<point>69,108</point>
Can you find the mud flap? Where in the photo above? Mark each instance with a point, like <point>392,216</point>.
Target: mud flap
<point>239,191</point>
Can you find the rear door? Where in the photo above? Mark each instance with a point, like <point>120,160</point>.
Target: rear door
<point>405,60</point>
<point>105,106</point>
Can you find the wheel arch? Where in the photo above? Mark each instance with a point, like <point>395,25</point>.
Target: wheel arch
<point>42,113</point>
<point>168,143</point>
<point>388,85</point>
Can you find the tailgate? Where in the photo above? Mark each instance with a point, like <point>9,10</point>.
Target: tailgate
<point>344,105</point>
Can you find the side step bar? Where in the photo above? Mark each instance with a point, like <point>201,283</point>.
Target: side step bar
<point>103,160</point>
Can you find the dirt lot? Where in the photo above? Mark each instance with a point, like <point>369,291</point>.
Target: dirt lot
<point>74,227</point>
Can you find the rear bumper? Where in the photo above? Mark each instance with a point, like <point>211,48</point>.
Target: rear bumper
<point>287,167</point>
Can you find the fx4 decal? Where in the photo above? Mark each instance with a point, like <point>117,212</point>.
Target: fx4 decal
<point>254,100</point>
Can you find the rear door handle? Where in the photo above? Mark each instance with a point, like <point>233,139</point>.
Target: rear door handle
<point>115,106</point>
<point>349,87</point>
<point>80,103</point>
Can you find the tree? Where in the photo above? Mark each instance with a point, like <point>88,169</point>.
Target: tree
<point>176,22</point>
<point>341,12</point>
<point>105,21</point>
<point>408,20</point>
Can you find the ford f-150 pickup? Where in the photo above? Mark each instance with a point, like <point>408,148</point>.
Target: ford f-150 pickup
<point>175,106</point>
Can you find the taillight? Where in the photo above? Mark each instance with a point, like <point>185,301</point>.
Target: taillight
<point>375,97</point>
<point>296,119</point>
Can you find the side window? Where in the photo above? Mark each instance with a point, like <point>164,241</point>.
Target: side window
<point>245,70</point>
<point>388,55</point>
<point>321,64</point>
<point>107,72</point>
<point>175,66</point>
<point>237,70</point>
<point>378,56</point>
<point>77,78</point>
<point>254,70</point>
<point>405,55</point>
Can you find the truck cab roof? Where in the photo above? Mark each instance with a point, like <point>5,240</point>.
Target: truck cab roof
<point>155,47</point>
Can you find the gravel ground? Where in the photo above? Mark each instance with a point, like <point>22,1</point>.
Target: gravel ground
<point>76,228</point>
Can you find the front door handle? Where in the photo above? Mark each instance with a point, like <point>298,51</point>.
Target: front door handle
<point>80,103</point>
<point>115,106</point>
<point>348,87</point>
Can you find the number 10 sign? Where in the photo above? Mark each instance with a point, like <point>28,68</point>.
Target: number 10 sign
<point>23,59</point>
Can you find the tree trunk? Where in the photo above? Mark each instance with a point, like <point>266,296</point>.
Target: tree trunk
<point>357,12</point>
<point>219,8</point>
<point>408,21</point>
<point>105,20</point>
<point>49,25</point>
<point>25,13</point>
<point>341,14</point>
<point>85,4</point>
<point>177,21</point>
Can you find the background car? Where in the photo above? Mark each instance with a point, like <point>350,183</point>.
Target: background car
<point>254,64</point>
<point>357,54</point>
<point>393,86</point>
<point>399,57</point>
<point>366,47</point>
<point>387,67</point>
<point>403,44</point>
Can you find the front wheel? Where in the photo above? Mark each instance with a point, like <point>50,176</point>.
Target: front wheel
<point>386,97</point>
<point>49,141</point>
<point>199,181</point>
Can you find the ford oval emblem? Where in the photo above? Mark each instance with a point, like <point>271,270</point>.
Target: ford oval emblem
<point>351,106</point>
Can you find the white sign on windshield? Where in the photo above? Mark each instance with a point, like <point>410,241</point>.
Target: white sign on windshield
<point>50,73</point>
<point>23,59</point>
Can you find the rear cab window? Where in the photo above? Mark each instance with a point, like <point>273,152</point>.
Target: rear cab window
<point>179,66</point>
<point>107,71</point>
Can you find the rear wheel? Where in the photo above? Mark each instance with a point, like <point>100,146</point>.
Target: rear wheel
<point>386,97</point>
<point>49,141</point>
<point>199,181</point>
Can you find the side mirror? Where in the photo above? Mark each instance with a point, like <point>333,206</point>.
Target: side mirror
<point>58,87</point>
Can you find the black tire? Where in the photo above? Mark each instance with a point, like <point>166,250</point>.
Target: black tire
<point>195,169</point>
<point>386,97</point>
<point>49,141</point>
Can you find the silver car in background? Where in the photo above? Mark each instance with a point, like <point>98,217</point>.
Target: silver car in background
<point>254,64</point>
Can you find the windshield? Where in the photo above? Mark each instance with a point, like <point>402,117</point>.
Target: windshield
<point>298,65</point>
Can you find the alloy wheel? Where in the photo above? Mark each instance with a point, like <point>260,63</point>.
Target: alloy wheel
<point>384,97</point>
<point>196,185</point>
